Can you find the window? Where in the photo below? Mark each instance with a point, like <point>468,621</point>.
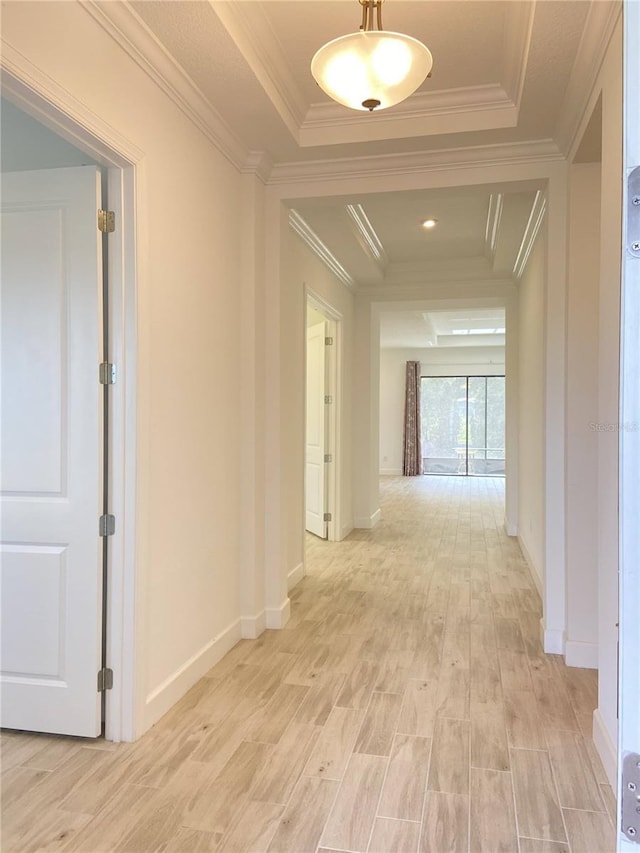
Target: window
<point>463,425</point>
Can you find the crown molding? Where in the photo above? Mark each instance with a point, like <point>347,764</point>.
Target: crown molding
<point>381,165</point>
<point>258,163</point>
<point>367,237</point>
<point>494,215</point>
<point>251,31</point>
<point>131,33</point>
<point>601,22</point>
<point>517,41</point>
<point>536,218</point>
<point>304,230</point>
<point>423,114</point>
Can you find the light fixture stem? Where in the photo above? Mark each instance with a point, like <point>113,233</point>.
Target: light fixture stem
<point>367,14</point>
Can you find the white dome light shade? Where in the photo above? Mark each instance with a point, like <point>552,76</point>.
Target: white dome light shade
<point>371,69</point>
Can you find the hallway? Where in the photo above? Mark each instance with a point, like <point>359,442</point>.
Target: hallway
<point>407,706</point>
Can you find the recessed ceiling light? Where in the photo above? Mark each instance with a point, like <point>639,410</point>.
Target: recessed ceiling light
<point>429,223</point>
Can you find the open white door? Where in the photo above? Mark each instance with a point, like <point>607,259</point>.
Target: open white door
<point>51,451</point>
<point>629,636</point>
<point>315,439</point>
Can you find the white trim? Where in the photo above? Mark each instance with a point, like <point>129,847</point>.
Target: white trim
<point>306,232</point>
<point>471,108</point>
<point>131,34</point>
<point>411,163</point>
<point>368,238</point>
<point>41,97</point>
<point>173,688</point>
<point>345,530</point>
<point>368,523</point>
<point>517,42</point>
<point>594,41</point>
<point>606,748</point>
<point>511,529</point>
<point>492,227</point>
<point>252,34</point>
<point>252,626</point>
<point>584,655</point>
<point>536,217</point>
<point>552,640</point>
<point>536,571</point>
<point>334,387</point>
<point>295,576</point>
<point>49,103</point>
<point>277,617</point>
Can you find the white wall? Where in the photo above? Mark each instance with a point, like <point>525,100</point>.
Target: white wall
<point>445,361</point>
<point>610,82</point>
<point>531,408</point>
<point>189,332</point>
<point>581,646</point>
<point>302,269</point>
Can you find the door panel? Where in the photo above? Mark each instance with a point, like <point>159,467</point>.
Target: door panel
<point>51,451</point>
<point>315,439</point>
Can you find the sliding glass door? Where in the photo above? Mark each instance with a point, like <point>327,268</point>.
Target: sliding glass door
<point>463,425</point>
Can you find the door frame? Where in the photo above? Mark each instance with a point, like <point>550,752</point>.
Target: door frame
<point>333,385</point>
<point>629,433</point>
<point>34,93</point>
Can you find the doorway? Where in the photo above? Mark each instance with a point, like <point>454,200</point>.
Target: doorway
<point>322,408</point>
<point>35,661</point>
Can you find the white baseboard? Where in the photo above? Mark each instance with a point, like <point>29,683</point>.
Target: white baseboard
<point>295,576</point>
<point>584,655</point>
<point>509,527</point>
<point>345,530</point>
<point>252,626</point>
<point>606,748</point>
<point>277,617</point>
<point>173,688</point>
<point>368,523</point>
<point>536,572</point>
<point>552,640</point>
<point>391,472</point>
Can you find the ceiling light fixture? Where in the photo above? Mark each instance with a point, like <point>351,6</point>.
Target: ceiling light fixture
<point>371,69</point>
<point>429,223</point>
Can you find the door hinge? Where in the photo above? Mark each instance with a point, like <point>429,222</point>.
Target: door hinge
<point>633,213</point>
<point>328,342</point>
<point>107,373</point>
<point>107,525</point>
<point>631,796</point>
<point>328,399</point>
<point>106,221</point>
<point>326,516</point>
<point>328,457</point>
<point>105,679</point>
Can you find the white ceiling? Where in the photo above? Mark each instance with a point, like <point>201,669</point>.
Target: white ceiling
<point>505,74</point>
<point>460,328</point>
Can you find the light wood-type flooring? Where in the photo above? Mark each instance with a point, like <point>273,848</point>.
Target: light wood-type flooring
<point>407,707</point>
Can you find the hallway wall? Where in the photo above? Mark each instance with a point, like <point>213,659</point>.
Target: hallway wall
<point>188,410</point>
<point>581,646</point>
<point>300,268</point>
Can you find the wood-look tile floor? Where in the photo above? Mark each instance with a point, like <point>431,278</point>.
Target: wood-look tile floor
<point>407,707</point>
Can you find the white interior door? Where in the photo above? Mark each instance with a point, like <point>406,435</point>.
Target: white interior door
<point>629,631</point>
<point>51,451</point>
<point>315,444</point>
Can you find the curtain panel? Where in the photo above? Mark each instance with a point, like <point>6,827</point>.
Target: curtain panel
<point>412,457</point>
